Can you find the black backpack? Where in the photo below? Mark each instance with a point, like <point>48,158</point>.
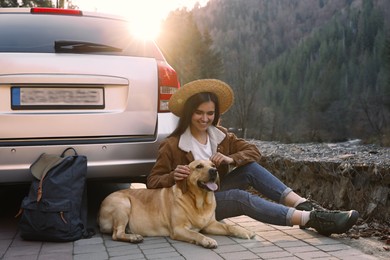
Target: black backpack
<point>55,208</point>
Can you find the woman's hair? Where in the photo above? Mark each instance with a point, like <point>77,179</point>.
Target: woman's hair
<point>191,106</point>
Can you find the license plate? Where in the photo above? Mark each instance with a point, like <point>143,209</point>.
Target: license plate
<point>57,98</point>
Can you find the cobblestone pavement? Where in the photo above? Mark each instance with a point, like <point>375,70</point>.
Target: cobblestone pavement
<point>271,242</point>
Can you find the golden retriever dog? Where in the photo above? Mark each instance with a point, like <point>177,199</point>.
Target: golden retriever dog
<point>182,212</point>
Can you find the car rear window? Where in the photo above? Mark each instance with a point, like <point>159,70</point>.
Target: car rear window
<point>38,33</point>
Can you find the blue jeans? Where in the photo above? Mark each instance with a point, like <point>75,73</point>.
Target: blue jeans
<point>233,199</point>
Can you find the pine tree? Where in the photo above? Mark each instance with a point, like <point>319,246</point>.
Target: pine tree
<point>189,52</point>
<point>210,59</point>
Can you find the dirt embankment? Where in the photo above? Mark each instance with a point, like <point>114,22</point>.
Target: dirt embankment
<point>338,175</point>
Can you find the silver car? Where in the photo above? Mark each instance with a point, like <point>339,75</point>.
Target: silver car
<point>80,79</point>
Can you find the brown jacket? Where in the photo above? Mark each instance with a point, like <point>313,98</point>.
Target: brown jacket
<point>175,151</point>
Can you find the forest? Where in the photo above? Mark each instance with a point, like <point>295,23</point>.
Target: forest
<point>301,70</point>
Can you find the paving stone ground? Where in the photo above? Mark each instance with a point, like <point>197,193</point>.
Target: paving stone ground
<point>271,242</point>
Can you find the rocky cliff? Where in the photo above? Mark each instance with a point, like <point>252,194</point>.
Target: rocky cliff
<point>337,175</point>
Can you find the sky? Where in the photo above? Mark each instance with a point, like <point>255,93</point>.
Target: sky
<point>149,13</point>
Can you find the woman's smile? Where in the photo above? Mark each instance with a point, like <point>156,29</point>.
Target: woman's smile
<point>203,117</point>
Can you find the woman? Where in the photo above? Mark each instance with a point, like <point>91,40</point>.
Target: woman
<point>199,105</point>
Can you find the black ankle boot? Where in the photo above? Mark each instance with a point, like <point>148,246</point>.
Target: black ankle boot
<point>309,205</point>
<point>332,222</point>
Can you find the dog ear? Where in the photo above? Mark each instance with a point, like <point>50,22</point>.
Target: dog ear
<point>182,185</point>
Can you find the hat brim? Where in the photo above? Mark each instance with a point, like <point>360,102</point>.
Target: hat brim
<point>222,90</point>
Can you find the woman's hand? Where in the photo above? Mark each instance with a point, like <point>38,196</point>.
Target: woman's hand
<point>219,159</point>
<point>181,172</point>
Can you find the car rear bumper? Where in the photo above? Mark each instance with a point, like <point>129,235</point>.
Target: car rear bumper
<point>114,159</point>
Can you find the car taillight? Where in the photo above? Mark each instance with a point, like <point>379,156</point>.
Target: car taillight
<point>168,84</point>
<point>46,10</point>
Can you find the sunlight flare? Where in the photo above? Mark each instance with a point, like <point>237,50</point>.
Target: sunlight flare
<point>145,16</point>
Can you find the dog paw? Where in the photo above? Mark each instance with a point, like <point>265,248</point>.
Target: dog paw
<point>134,238</point>
<point>245,234</point>
<point>251,235</point>
<point>209,243</point>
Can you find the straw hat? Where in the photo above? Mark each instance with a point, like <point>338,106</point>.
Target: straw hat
<point>222,90</point>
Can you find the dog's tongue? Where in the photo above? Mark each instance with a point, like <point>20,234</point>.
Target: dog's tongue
<point>212,186</point>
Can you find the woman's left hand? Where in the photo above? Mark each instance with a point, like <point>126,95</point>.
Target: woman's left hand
<point>219,159</point>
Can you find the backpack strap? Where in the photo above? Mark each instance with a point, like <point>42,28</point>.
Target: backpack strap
<point>87,232</point>
<point>67,149</point>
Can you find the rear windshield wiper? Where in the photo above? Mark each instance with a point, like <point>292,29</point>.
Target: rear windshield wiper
<point>83,47</point>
